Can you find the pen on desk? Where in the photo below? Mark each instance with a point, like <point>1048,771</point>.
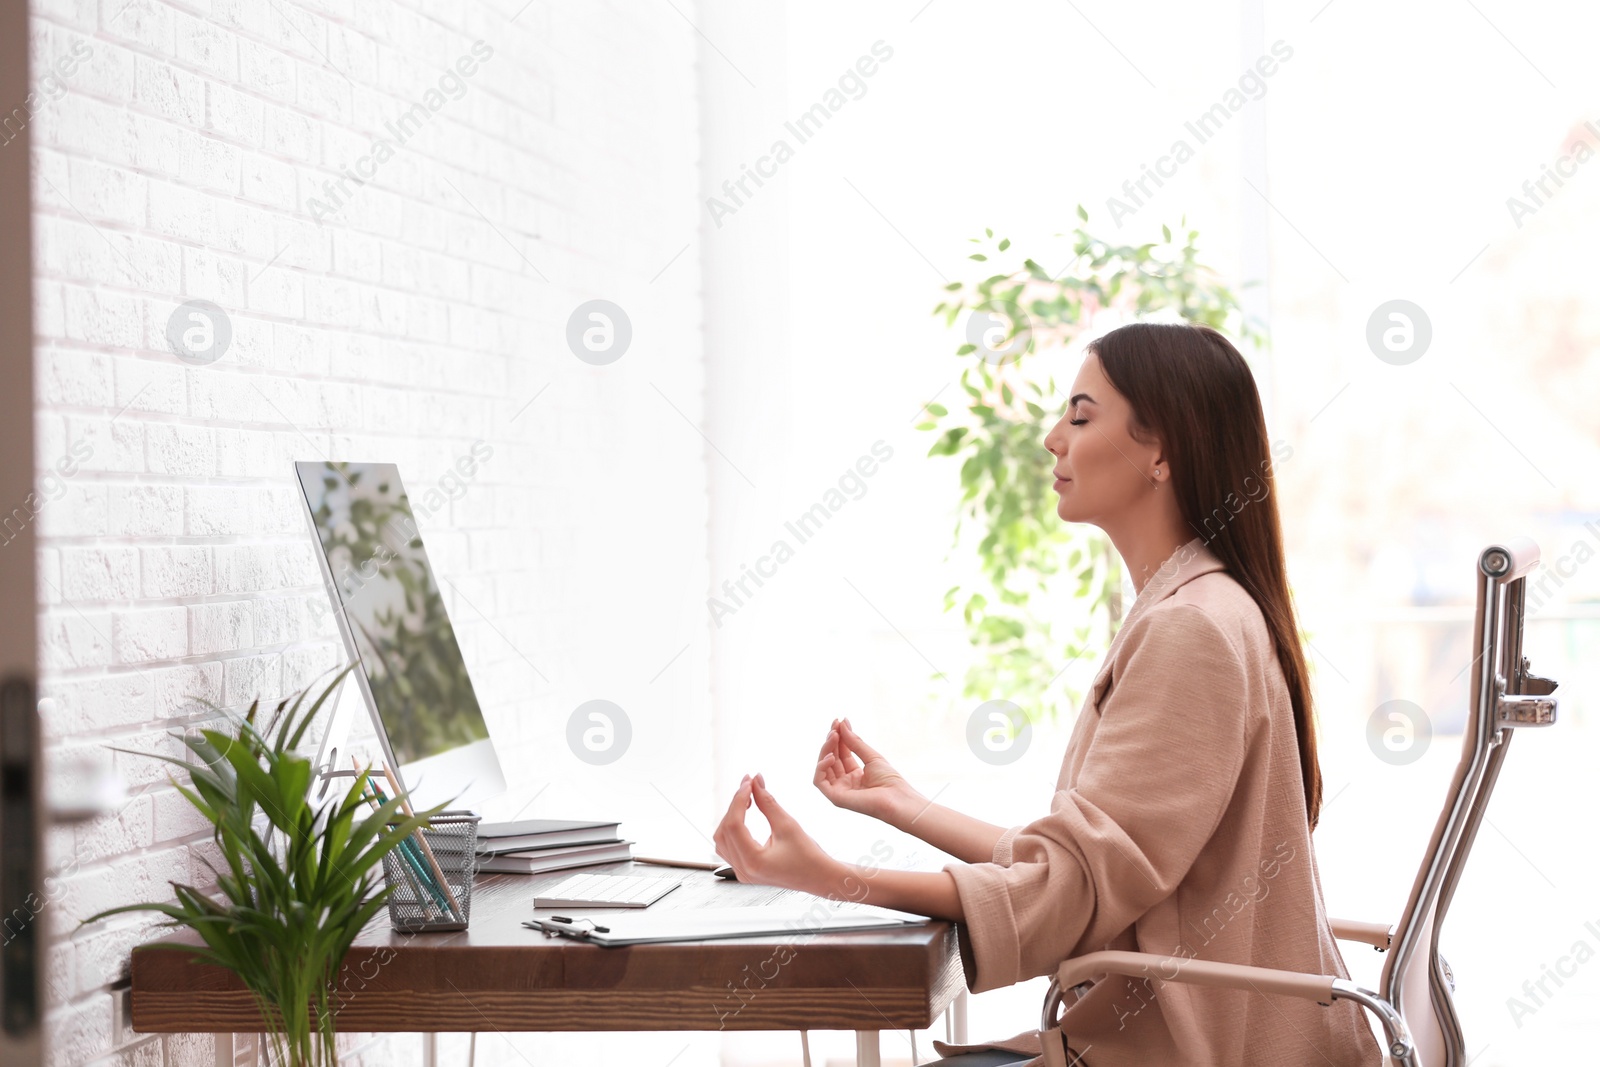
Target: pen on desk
<point>696,865</point>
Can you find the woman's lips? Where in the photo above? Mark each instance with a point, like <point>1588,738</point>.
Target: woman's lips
<point>1060,482</point>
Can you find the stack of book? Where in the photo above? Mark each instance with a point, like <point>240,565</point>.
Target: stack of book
<point>535,846</point>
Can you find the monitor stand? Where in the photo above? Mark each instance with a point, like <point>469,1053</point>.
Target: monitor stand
<point>338,742</point>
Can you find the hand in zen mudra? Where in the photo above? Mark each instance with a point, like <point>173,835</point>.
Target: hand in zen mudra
<point>790,858</point>
<point>853,776</point>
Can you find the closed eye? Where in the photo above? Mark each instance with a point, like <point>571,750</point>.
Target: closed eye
<point>1076,422</point>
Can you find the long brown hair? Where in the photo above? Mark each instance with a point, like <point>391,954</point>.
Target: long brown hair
<point>1191,390</point>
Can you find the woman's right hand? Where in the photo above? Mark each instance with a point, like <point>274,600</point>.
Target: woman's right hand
<point>854,776</point>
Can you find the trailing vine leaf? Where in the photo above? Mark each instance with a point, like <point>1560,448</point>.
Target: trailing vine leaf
<point>1046,592</point>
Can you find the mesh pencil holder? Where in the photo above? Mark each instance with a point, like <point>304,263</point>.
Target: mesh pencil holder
<point>419,903</point>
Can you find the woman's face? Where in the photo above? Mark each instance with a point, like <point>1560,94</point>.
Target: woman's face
<point>1101,472</point>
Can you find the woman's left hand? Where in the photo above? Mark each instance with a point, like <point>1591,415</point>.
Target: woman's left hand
<point>790,858</point>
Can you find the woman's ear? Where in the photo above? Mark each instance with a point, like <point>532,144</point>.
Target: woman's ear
<point>1160,469</point>
<point>1148,440</point>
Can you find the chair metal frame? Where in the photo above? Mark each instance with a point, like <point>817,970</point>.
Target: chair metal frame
<point>1413,999</point>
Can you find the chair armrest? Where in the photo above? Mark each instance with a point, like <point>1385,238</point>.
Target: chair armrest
<point>1322,988</point>
<point>1375,934</point>
<point>1079,969</point>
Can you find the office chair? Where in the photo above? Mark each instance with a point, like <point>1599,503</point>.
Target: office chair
<point>1413,999</point>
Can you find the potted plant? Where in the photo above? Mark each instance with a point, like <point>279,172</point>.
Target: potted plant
<point>300,881</point>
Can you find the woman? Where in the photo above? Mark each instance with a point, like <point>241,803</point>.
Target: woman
<point>1181,822</point>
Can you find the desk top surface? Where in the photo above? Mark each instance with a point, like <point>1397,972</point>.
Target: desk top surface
<point>498,974</point>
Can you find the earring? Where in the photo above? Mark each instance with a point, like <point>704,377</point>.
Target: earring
<point>1158,472</point>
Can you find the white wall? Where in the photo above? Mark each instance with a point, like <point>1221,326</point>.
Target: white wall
<point>182,151</point>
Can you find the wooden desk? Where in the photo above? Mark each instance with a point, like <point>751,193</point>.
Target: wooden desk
<point>499,975</point>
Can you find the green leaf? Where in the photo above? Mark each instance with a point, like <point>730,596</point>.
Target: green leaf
<point>938,409</point>
<point>978,256</point>
<point>1005,243</point>
<point>295,891</point>
<point>948,442</point>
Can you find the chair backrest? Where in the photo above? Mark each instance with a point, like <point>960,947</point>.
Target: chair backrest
<point>1504,695</point>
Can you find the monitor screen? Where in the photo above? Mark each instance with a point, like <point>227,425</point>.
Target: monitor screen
<point>394,623</point>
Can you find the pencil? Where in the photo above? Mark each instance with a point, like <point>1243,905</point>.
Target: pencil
<point>413,856</point>
<point>694,865</point>
<point>427,850</point>
<point>424,898</point>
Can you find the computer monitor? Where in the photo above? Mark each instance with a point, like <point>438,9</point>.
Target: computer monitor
<point>394,624</point>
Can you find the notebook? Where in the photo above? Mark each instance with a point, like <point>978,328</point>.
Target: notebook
<point>707,924</point>
<point>542,833</point>
<point>543,860</point>
<point>497,848</point>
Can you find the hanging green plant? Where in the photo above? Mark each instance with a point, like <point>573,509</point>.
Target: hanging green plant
<point>300,882</point>
<point>1046,592</point>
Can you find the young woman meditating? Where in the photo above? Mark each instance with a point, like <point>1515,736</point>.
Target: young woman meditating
<point>1181,822</point>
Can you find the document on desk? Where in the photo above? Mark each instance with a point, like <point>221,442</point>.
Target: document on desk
<point>705,924</point>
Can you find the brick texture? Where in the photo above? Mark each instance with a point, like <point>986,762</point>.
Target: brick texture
<point>400,308</point>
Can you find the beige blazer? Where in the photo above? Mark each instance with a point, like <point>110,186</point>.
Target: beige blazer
<point>1178,827</point>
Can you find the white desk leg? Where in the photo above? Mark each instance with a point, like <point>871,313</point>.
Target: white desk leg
<point>231,1048</point>
<point>958,1015</point>
<point>430,1050</point>
<point>867,1049</point>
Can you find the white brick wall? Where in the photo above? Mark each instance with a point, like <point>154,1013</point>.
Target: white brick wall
<point>179,160</point>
